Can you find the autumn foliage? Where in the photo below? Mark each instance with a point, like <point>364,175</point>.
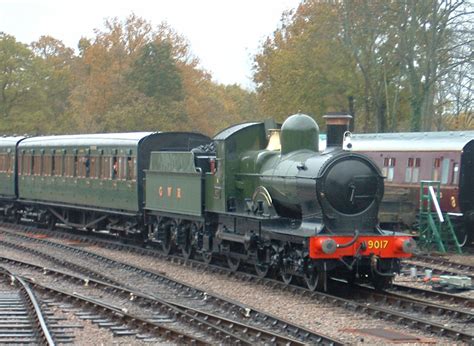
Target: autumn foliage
<point>129,77</point>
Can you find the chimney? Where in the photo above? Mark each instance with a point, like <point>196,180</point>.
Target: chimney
<point>336,125</point>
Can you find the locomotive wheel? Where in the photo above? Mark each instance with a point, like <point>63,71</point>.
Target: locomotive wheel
<point>262,269</point>
<point>381,282</point>
<point>287,278</point>
<point>233,263</point>
<point>316,280</point>
<point>207,257</point>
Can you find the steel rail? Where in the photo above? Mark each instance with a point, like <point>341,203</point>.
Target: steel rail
<point>437,295</point>
<point>45,336</point>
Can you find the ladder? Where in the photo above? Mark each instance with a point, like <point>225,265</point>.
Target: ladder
<point>435,228</point>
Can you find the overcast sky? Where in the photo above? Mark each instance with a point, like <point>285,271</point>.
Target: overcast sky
<point>223,34</point>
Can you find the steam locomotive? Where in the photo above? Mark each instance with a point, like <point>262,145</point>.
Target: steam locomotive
<point>255,194</point>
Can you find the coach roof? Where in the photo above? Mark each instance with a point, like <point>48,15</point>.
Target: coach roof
<point>99,139</point>
<point>411,141</point>
<point>10,141</point>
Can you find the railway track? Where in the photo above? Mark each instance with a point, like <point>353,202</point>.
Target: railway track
<point>425,294</point>
<point>416,321</point>
<point>193,305</point>
<point>438,267</point>
<point>437,260</point>
<point>22,320</point>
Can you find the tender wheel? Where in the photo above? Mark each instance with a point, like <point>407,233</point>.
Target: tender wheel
<point>287,278</point>
<point>187,249</point>
<point>164,233</point>
<point>233,263</point>
<point>316,280</point>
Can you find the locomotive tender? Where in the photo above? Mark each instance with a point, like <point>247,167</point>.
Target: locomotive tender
<point>407,158</point>
<point>255,194</point>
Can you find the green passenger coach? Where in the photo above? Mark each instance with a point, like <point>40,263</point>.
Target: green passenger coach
<point>92,181</point>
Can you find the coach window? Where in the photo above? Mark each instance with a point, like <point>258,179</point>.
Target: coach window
<point>409,170</point>
<point>80,166</point>
<point>53,164</point>
<point>391,169</point>
<point>47,165</point>
<point>455,176</point>
<point>122,165</point>
<point>58,164</point>
<point>93,167</point>
<point>436,166</point>
<point>416,171</point>
<point>25,163</point>
<point>106,167</point>
<point>99,165</point>
<point>83,166</point>
<point>115,167</point>
<point>445,170</point>
<point>35,165</point>
<point>69,166</point>
<point>9,162</point>
<point>131,168</point>
<point>3,162</point>
<point>87,165</point>
<point>386,161</point>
